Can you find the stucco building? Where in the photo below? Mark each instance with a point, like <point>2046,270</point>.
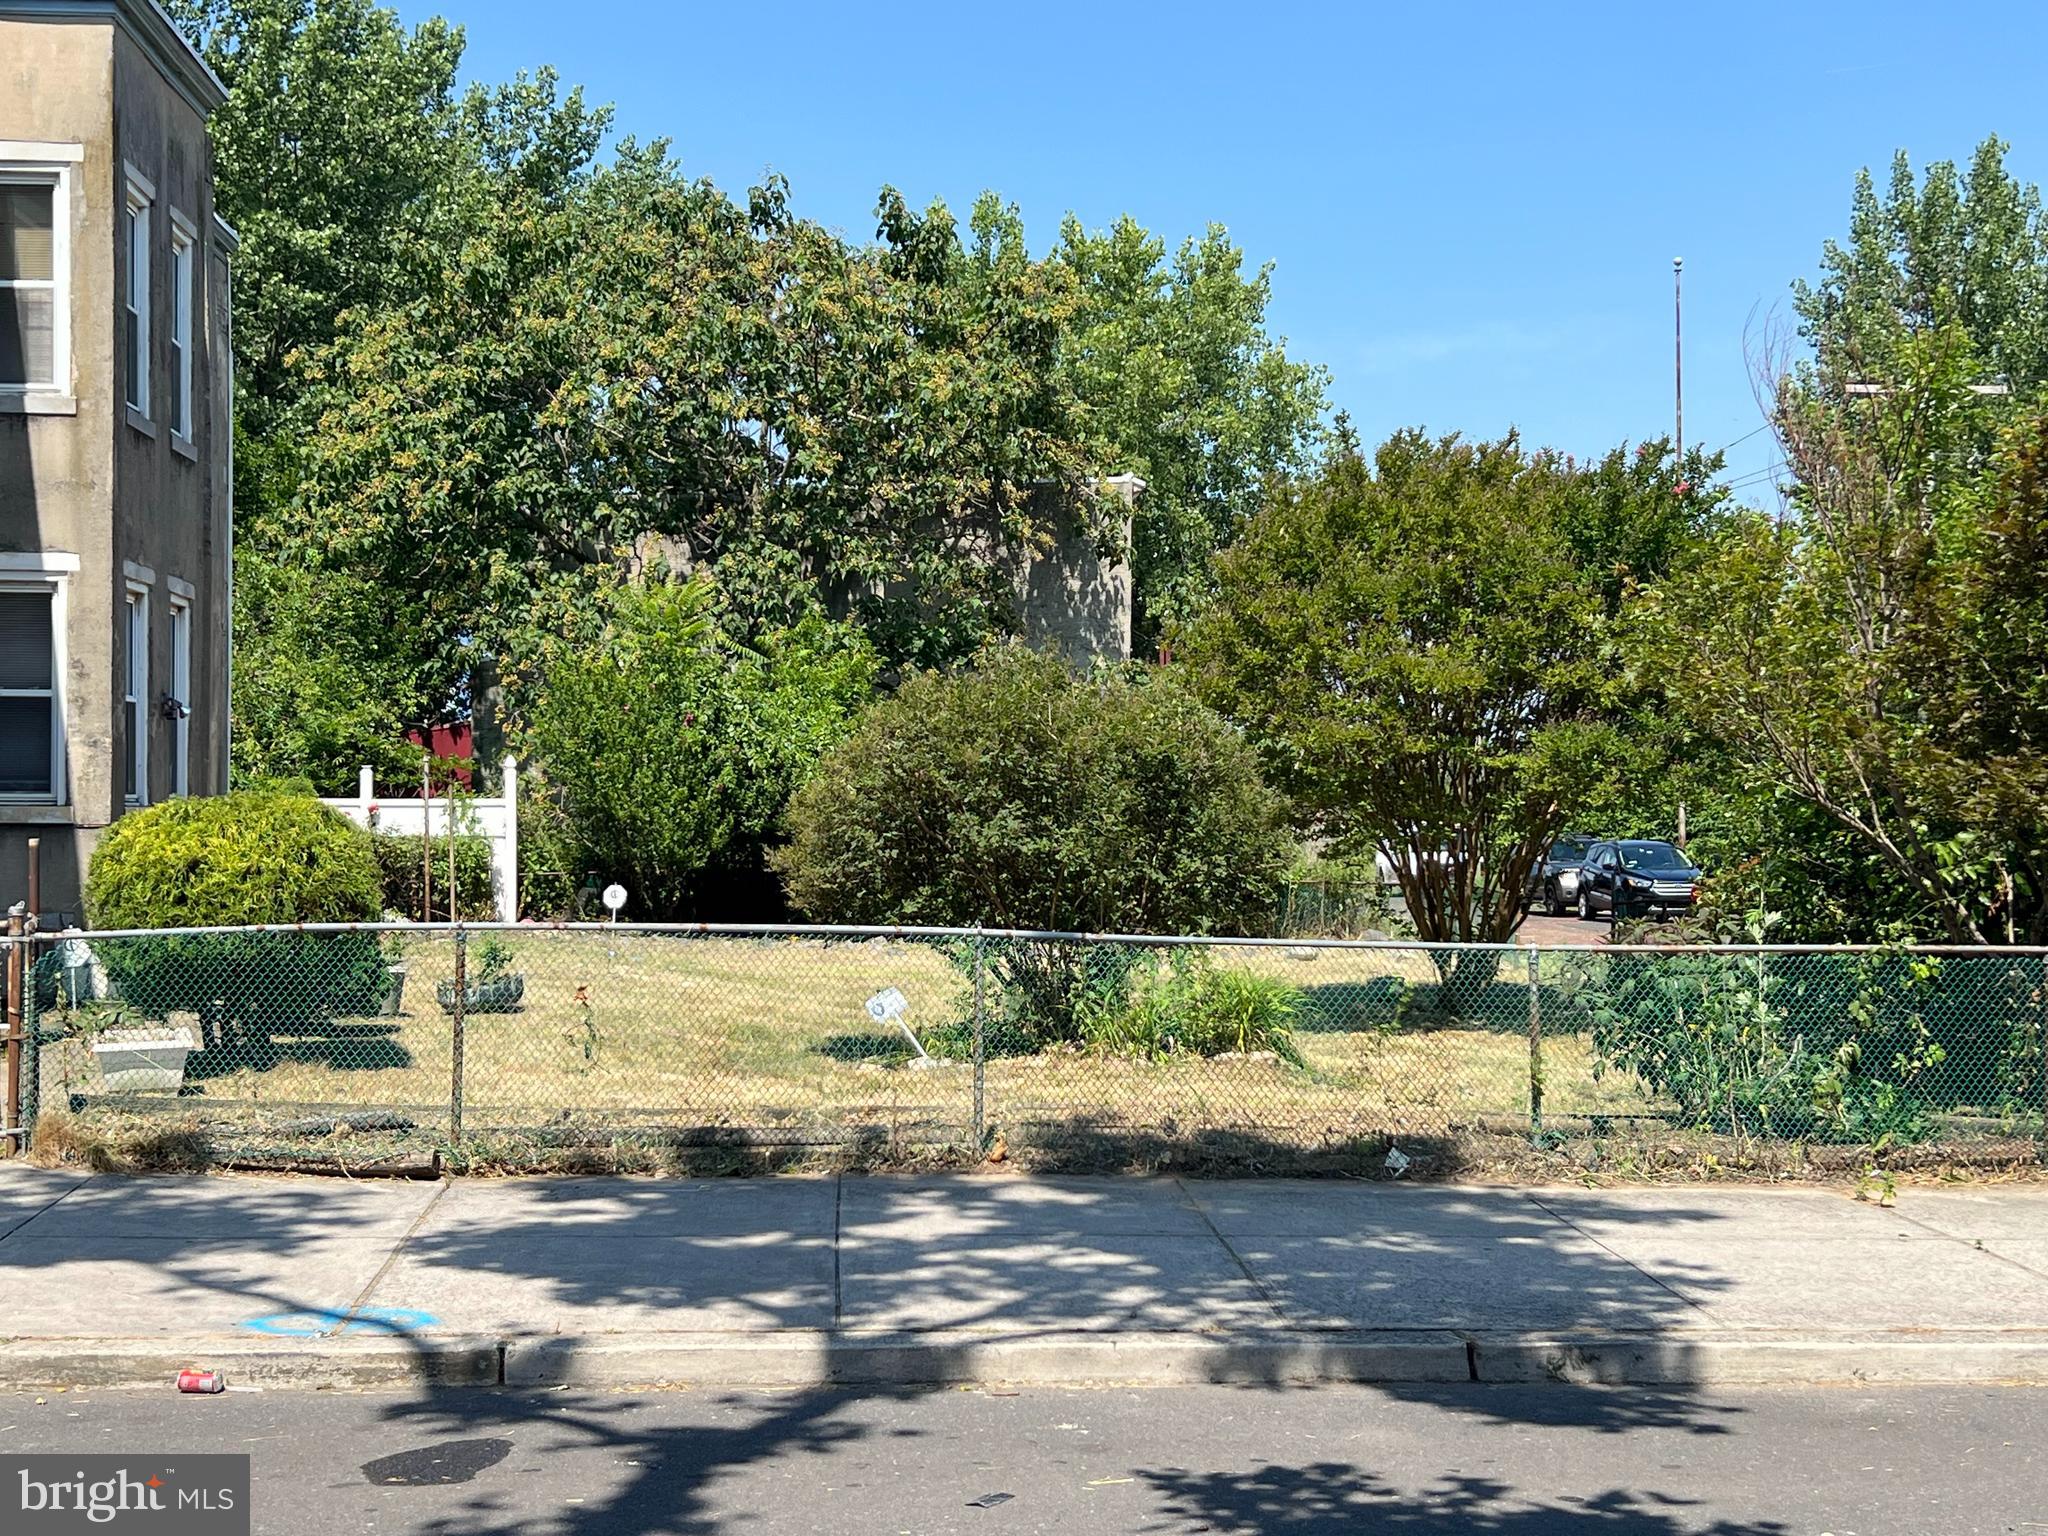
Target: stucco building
<point>115,446</point>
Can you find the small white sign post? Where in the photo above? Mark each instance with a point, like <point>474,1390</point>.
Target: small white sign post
<point>887,1007</point>
<point>614,899</point>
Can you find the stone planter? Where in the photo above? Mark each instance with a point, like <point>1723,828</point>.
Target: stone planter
<point>498,994</point>
<point>139,1062</point>
<point>394,991</point>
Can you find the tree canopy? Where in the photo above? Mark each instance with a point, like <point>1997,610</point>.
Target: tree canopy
<point>1418,644</point>
<point>488,374</point>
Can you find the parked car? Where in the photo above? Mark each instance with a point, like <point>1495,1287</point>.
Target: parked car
<point>1554,882</point>
<point>1635,878</point>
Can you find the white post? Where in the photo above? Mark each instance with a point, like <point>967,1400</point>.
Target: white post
<point>509,794</point>
<point>366,786</point>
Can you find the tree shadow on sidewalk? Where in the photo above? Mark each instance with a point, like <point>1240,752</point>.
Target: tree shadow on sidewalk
<point>977,1254</point>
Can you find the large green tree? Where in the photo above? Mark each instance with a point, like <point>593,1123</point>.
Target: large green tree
<point>1183,386</point>
<point>1419,643</point>
<point>1881,656</point>
<point>1963,248</point>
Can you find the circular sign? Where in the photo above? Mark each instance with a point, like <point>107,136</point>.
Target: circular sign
<point>614,898</point>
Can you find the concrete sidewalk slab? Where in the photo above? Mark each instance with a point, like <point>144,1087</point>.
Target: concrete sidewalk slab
<point>915,1209</point>
<point>75,1286</point>
<point>27,1192</point>
<point>1991,1217</point>
<point>1395,1281</point>
<point>797,1207</point>
<point>1143,1281</point>
<point>249,1211</point>
<point>575,1281</point>
<point>1451,1216</point>
<point>810,1281</point>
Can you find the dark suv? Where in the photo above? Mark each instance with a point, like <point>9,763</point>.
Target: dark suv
<point>1554,882</point>
<point>1634,878</point>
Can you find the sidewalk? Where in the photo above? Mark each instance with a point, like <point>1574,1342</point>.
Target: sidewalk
<point>794,1281</point>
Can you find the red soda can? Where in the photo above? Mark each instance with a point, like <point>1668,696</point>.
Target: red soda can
<point>195,1380</point>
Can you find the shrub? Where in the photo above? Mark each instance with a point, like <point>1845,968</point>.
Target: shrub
<point>1864,1047</point>
<point>1190,1006</point>
<point>253,857</point>
<point>672,750</point>
<point>400,880</point>
<point>1017,795</point>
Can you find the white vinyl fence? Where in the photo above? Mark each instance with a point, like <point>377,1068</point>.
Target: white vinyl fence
<point>492,817</point>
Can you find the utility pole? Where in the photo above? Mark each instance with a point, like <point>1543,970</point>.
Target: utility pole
<point>1678,354</point>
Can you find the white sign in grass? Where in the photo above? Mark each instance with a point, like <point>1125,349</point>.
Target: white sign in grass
<point>888,1007</point>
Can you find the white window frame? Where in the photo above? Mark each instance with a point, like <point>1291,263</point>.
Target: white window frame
<point>135,683</point>
<point>183,274</point>
<point>140,199</point>
<point>180,605</point>
<point>52,165</point>
<point>47,571</point>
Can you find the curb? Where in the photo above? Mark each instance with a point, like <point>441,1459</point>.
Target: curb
<point>821,1358</point>
<point>1073,1358</point>
<point>296,1364</point>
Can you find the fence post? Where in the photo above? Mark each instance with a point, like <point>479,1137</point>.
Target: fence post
<point>17,984</point>
<point>455,1037</point>
<point>1535,1041</point>
<point>31,1101</point>
<point>2044,1058</point>
<point>980,1052</point>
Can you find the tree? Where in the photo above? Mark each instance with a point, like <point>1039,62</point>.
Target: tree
<point>492,376</point>
<point>1183,386</point>
<point>1963,250</point>
<point>1880,656</point>
<point>1418,645</point>
<point>1018,795</point>
<point>673,749</point>
<point>350,163</point>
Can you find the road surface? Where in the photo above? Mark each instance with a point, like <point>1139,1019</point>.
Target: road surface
<point>1421,1461</point>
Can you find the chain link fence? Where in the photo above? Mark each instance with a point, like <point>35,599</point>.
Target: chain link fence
<point>386,1041</point>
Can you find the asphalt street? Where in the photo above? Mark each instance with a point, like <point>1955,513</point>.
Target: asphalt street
<point>1517,1461</point>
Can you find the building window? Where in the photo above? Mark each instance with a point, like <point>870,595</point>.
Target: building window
<point>181,695</point>
<point>34,301</point>
<point>135,292</point>
<point>181,327</point>
<point>135,702</point>
<point>30,724</point>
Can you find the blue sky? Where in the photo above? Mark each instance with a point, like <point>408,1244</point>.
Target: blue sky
<point>1471,210</point>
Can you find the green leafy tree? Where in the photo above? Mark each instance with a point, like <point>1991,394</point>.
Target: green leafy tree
<point>1184,387</point>
<point>491,377</point>
<point>1418,644</point>
<point>1879,656</point>
<point>673,750</point>
<point>257,856</point>
<point>1016,795</point>
<point>1966,249</point>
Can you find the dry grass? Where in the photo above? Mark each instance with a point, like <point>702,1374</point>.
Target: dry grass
<point>640,1030</point>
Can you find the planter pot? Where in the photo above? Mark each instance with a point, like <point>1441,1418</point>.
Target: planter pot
<point>500,994</point>
<point>394,992</point>
<point>144,1064</point>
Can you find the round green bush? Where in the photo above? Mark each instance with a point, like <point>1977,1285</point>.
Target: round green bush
<point>256,857</point>
<point>1019,795</point>
<point>252,857</point>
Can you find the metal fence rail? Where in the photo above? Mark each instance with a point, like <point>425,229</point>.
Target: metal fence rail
<point>332,1038</point>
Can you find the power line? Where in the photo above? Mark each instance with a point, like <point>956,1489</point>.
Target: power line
<point>1752,432</point>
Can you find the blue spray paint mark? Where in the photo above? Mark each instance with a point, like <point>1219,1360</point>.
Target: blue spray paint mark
<point>319,1321</point>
